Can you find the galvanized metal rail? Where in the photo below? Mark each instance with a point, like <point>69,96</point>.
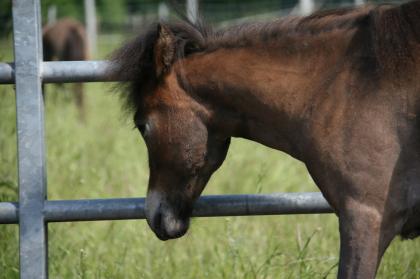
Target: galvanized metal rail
<point>60,72</point>
<point>34,211</point>
<point>206,206</point>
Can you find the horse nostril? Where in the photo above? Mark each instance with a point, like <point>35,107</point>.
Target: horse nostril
<point>164,219</point>
<point>158,226</point>
<point>157,221</point>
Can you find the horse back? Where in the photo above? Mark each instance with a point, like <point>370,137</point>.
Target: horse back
<point>75,45</point>
<point>65,40</point>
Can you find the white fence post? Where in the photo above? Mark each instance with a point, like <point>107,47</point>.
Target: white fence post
<point>52,14</point>
<point>306,7</point>
<point>192,10</point>
<point>163,11</point>
<point>91,27</point>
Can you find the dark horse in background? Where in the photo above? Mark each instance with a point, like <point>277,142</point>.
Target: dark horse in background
<point>66,40</point>
<point>338,90</point>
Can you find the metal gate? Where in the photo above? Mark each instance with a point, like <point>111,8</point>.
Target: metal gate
<point>34,211</point>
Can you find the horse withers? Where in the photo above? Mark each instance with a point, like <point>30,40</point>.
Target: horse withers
<point>65,40</point>
<point>338,90</point>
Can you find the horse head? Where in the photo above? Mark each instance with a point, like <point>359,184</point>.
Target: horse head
<point>183,149</point>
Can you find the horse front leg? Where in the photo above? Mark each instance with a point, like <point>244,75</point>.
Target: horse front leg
<point>364,238</point>
<point>80,102</point>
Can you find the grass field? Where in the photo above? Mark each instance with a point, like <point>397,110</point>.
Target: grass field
<point>105,158</point>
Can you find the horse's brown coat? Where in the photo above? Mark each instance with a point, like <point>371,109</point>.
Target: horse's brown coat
<point>65,40</point>
<point>339,90</point>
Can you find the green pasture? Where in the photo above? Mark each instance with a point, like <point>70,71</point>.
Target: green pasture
<point>105,157</point>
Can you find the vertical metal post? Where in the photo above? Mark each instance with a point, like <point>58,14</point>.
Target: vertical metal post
<point>52,14</point>
<point>163,11</point>
<point>306,6</point>
<point>30,132</point>
<point>192,10</point>
<point>91,25</point>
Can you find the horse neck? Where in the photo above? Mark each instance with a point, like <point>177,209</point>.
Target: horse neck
<point>260,94</point>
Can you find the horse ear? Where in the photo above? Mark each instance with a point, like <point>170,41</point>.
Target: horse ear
<point>164,50</point>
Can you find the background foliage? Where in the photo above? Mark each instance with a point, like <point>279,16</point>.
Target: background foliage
<point>120,14</point>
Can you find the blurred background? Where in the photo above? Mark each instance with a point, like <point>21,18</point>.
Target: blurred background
<point>100,155</point>
<point>126,17</point>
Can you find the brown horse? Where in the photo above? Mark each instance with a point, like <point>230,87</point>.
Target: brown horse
<point>338,90</point>
<point>66,40</point>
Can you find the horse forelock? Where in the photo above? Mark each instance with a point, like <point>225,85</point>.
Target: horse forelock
<point>134,61</point>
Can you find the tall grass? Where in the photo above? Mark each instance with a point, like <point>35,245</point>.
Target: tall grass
<point>104,157</point>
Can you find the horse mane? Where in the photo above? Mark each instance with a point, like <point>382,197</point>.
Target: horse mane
<point>383,32</point>
<point>133,62</point>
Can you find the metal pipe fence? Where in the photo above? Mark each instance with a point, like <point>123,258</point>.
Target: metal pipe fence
<point>33,211</point>
<point>61,72</point>
<point>206,206</point>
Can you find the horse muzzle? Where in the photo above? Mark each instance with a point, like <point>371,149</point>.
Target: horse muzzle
<point>163,219</point>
